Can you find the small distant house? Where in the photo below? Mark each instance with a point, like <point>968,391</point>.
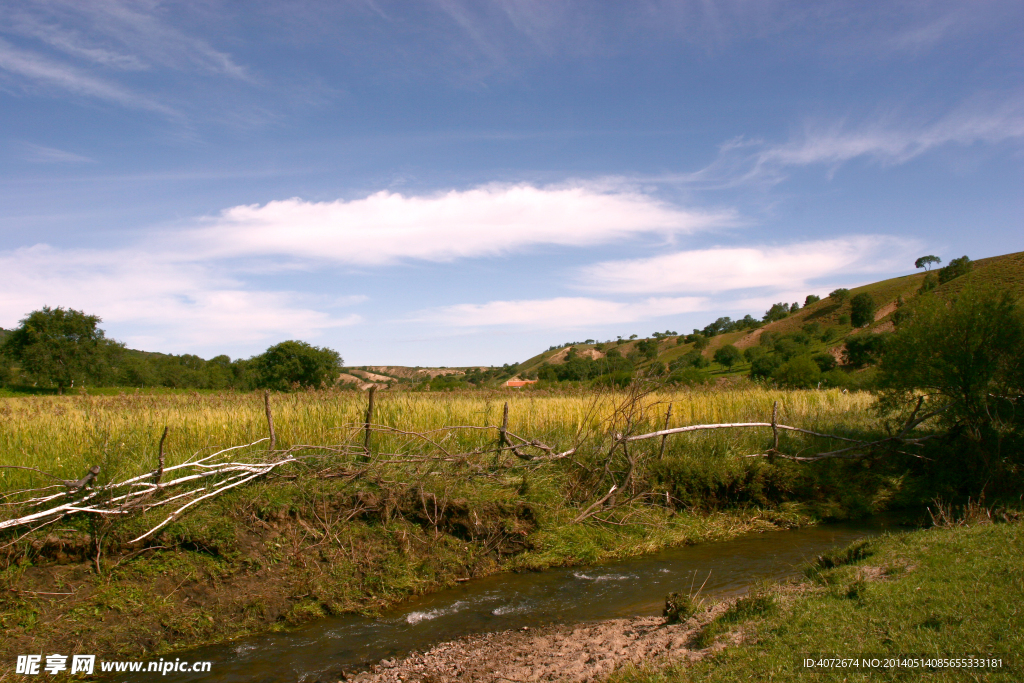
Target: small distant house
<point>519,383</point>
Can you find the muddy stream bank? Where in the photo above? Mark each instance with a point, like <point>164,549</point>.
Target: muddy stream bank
<point>567,597</point>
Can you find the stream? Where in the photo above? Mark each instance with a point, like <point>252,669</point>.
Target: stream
<point>626,588</point>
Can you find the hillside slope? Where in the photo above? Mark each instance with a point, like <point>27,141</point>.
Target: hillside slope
<point>1003,272</point>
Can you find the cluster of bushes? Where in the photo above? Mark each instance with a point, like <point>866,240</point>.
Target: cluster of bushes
<point>61,349</point>
<point>613,368</point>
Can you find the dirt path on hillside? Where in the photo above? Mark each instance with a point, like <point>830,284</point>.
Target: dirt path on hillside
<point>578,652</point>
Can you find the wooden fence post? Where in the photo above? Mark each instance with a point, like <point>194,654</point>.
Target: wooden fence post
<point>160,459</point>
<point>369,419</point>
<point>668,416</point>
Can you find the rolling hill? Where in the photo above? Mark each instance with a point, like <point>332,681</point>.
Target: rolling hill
<point>1004,272</point>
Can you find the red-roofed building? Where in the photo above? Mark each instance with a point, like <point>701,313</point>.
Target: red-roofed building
<point>519,383</point>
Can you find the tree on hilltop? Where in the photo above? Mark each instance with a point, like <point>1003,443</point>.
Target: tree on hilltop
<point>927,262</point>
<point>840,295</point>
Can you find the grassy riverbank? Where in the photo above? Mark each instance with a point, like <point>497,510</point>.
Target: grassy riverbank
<point>357,532</point>
<point>938,593</point>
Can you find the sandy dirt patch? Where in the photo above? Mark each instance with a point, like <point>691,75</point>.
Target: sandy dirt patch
<point>560,357</point>
<point>749,339</point>
<point>885,310</point>
<point>372,376</point>
<point>578,653</point>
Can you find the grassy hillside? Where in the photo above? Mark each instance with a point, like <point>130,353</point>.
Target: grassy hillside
<point>1003,272</point>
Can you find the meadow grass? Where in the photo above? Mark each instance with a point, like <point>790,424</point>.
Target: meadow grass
<point>931,594</point>
<point>65,435</point>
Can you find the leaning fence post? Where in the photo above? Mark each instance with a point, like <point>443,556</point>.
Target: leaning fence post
<point>369,418</point>
<point>503,432</point>
<point>160,460</point>
<point>668,416</point>
<point>270,419</point>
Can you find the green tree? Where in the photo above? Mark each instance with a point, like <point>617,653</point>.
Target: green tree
<point>955,268</point>
<point>811,299</point>
<point>776,312</point>
<point>966,358</point>
<point>865,348</point>
<point>648,348</point>
<point>292,364</point>
<point>728,355</point>
<point>840,295</point>
<point>800,373</point>
<point>59,346</point>
<point>862,310</point>
<point>927,262</point>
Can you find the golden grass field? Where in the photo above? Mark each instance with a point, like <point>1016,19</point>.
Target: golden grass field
<point>65,435</point>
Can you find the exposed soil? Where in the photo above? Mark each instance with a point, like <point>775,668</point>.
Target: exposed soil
<point>577,653</point>
<point>749,339</point>
<point>885,310</point>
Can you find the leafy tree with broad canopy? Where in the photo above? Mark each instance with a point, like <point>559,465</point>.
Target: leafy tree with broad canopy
<point>728,355</point>
<point>964,358</point>
<point>59,346</point>
<point>293,364</point>
<point>927,262</point>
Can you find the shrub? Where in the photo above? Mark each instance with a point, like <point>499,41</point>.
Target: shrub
<point>955,268</point>
<point>862,310</point>
<point>825,361</point>
<point>865,348</point>
<point>840,295</point>
<point>728,355</point>
<point>800,373</point>
<point>765,366</point>
<point>930,282</point>
<point>811,299</point>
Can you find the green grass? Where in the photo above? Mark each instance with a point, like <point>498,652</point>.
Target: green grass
<point>937,593</point>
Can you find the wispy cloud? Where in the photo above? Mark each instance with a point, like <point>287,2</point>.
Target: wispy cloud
<point>720,270</point>
<point>890,139</point>
<point>558,313</point>
<point>496,219</point>
<point>42,71</point>
<point>50,155</point>
<point>119,35</point>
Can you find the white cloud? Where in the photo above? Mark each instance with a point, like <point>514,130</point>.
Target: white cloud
<point>492,220</point>
<point>562,312</point>
<point>728,269</point>
<point>187,307</point>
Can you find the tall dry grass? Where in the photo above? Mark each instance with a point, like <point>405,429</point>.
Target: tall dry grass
<point>65,435</point>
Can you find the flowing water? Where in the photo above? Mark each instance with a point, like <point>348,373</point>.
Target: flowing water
<point>628,588</point>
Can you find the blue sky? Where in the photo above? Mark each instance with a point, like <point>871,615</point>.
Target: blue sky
<point>450,182</point>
